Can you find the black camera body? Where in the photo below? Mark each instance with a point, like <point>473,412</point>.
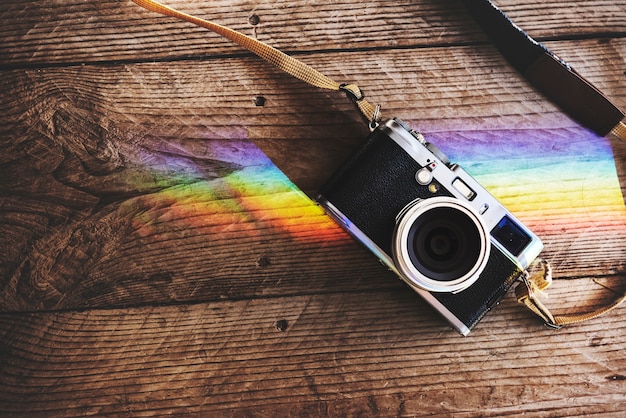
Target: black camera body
<point>430,222</point>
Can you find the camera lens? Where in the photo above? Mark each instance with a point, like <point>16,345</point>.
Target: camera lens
<point>444,244</point>
<point>440,244</point>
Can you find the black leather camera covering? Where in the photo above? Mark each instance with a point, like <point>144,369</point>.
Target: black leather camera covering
<point>374,185</point>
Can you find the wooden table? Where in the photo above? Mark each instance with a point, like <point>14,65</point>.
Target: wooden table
<point>154,261</point>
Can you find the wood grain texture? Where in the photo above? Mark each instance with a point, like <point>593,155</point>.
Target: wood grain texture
<point>153,262</point>
<point>108,146</point>
<point>32,29</point>
<point>309,355</point>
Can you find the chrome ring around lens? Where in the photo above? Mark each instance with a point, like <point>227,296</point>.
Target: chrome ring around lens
<point>440,244</point>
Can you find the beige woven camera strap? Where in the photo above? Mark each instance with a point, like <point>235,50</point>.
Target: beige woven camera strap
<point>286,63</point>
<point>527,293</point>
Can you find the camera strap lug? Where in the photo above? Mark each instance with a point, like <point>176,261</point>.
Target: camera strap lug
<point>374,122</point>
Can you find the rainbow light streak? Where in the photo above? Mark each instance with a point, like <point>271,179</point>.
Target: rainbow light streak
<point>252,196</point>
<point>554,180</point>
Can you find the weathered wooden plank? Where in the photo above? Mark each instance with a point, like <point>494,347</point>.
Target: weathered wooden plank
<point>382,353</point>
<point>177,100</point>
<point>137,184</point>
<point>137,187</point>
<point>31,31</point>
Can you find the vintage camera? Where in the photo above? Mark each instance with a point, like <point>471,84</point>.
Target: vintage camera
<point>430,222</point>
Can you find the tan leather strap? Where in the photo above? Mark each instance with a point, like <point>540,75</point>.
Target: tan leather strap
<point>288,64</point>
<point>533,284</point>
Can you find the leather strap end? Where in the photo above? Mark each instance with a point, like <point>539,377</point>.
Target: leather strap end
<point>523,294</point>
<point>619,130</point>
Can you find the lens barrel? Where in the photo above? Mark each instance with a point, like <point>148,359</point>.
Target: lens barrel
<point>440,244</point>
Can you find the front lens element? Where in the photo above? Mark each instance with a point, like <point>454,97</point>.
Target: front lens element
<point>444,243</point>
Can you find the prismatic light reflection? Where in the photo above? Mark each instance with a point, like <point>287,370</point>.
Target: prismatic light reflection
<point>233,189</point>
<point>554,180</point>
<point>557,181</point>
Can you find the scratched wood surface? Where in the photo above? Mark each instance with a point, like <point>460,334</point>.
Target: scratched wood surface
<point>153,262</point>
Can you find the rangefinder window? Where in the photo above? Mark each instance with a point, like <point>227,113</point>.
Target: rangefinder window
<point>511,236</point>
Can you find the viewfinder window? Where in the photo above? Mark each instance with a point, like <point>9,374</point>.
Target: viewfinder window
<point>511,236</point>
<point>464,189</point>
